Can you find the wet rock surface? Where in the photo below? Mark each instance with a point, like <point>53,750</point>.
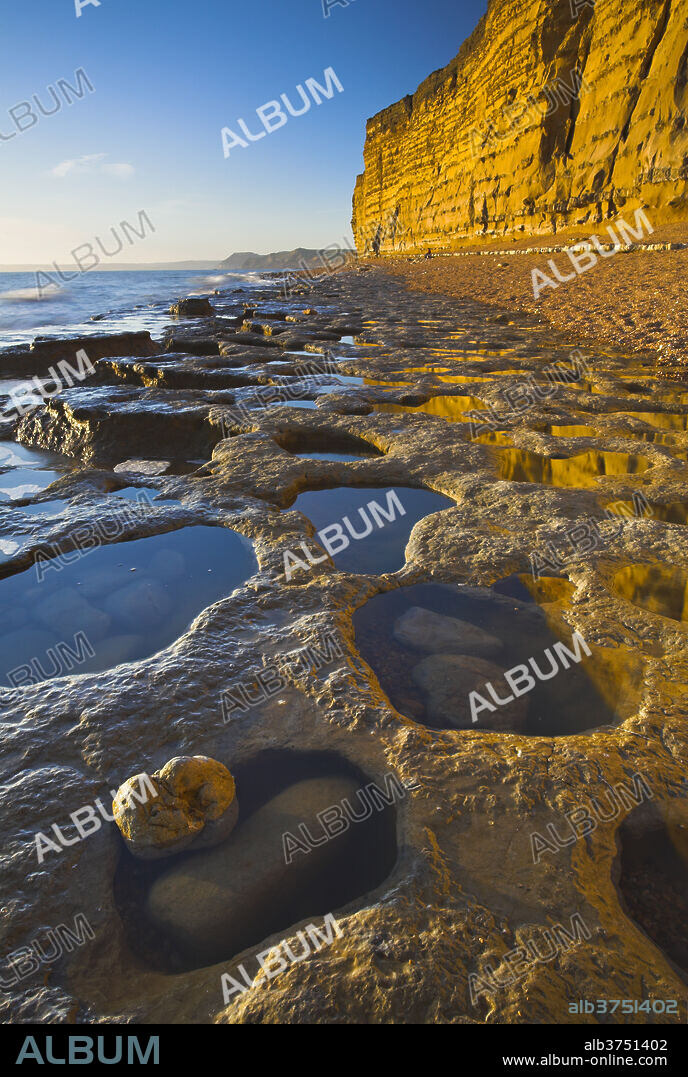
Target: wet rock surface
<point>193,307</point>
<point>283,664</point>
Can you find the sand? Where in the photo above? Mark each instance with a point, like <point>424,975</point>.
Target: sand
<point>634,301</point>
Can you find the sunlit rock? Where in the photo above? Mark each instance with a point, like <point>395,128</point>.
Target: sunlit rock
<point>194,804</point>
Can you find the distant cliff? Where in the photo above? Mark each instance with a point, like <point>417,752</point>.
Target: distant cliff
<point>300,258</point>
<point>555,113</point>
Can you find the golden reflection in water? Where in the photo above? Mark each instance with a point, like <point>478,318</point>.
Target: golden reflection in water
<point>548,589</point>
<point>388,384</point>
<point>572,431</point>
<point>676,512</point>
<point>428,368</point>
<point>522,465</point>
<point>451,408</point>
<point>476,356</point>
<point>660,589</point>
<point>493,437</point>
<point>663,420</point>
<point>650,438</point>
<point>521,370</point>
<point>460,379</point>
<point>616,671</point>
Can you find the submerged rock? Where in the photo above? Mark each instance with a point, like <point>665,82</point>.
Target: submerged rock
<point>194,804</point>
<point>447,681</point>
<point>424,630</point>
<point>112,652</point>
<point>67,612</point>
<point>141,605</point>
<point>167,565</point>
<point>219,902</point>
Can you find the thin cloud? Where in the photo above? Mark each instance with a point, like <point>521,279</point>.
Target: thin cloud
<point>92,164</point>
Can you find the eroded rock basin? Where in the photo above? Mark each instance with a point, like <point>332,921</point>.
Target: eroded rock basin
<point>372,526</point>
<point>652,875</point>
<point>432,646</point>
<point>117,603</point>
<point>288,859</point>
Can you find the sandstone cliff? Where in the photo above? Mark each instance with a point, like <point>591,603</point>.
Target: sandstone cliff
<point>554,114</point>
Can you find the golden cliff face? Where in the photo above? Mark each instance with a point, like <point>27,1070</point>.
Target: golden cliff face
<point>554,114</point>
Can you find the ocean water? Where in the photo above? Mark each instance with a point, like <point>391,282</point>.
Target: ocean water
<point>105,301</point>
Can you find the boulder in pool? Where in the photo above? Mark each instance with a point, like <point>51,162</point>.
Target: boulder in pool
<point>447,681</point>
<point>140,606</point>
<point>217,903</point>
<point>425,630</point>
<point>193,804</point>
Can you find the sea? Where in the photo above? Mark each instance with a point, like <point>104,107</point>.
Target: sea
<point>105,301</point>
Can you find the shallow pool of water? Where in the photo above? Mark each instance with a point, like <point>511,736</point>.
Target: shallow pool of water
<point>428,667</point>
<point>662,420</point>
<point>244,890</point>
<point>427,368</point>
<point>461,379</point>
<point>382,542</point>
<point>674,512</point>
<point>451,408</point>
<point>44,508</point>
<point>493,437</point>
<point>24,482</point>
<point>25,470</point>
<point>583,470</point>
<point>661,589</point>
<point>145,495</point>
<point>651,872</point>
<point>578,431</point>
<point>116,603</point>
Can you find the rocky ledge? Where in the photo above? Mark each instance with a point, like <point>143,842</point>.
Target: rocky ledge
<point>509,869</point>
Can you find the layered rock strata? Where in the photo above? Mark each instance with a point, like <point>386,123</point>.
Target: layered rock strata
<point>554,114</point>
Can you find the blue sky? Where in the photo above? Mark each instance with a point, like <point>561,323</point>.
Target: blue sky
<point>167,77</point>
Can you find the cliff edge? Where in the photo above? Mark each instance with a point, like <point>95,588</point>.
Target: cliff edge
<point>554,114</point>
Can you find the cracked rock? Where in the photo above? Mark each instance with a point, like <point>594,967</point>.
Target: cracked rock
<point>193,803</point>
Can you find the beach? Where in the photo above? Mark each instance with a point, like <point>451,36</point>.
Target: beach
<point>416,489</point>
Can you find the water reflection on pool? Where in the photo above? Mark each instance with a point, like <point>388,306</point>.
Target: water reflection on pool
<point>375,543</point>
<point>116,603</point>
<point>522,465</point>
<point>431,645</point>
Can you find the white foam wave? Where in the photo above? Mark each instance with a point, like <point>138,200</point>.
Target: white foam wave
<point>23,295</point>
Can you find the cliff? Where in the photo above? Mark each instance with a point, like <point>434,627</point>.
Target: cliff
<point>554,114</point>
<point>300,258</point>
